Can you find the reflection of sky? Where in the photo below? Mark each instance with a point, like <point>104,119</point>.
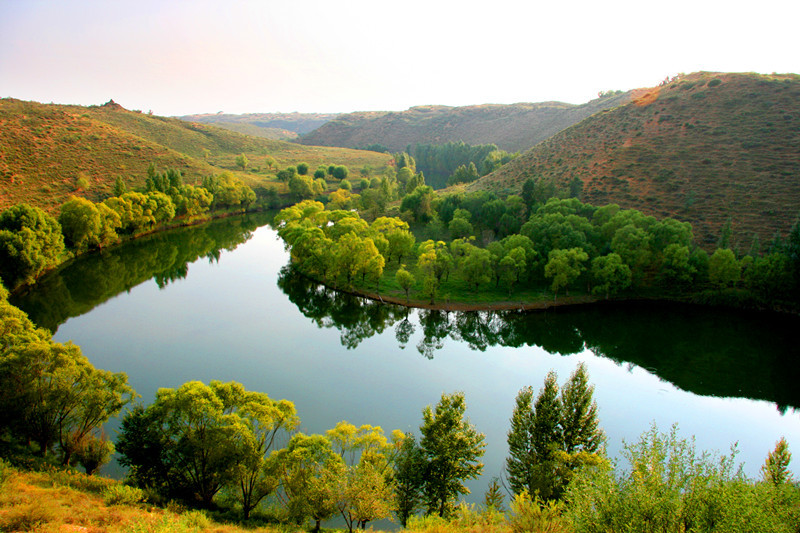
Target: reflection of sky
<point>230,321</point>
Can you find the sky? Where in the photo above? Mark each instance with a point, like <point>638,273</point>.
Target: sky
<point>177,57</point>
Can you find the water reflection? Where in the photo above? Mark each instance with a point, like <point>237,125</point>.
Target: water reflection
<point>90,280</point>
<point>707,351</point>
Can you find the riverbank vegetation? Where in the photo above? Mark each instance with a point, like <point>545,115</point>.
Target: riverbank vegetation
<point>205,455</point>
<point>480,250</point>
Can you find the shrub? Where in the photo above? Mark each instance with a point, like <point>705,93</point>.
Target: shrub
<point>28,517</point>
<point>120,494</point>
<point>529,514</point>
<point>714,82</point>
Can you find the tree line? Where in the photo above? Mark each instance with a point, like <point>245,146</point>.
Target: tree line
<point>457,162</point>
<point>498,245</point>
<point>32,241</point>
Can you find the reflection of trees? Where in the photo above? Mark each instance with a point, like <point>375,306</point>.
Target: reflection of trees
<point>355,317</point>
<point>164,257</point>
<point>705,351</point>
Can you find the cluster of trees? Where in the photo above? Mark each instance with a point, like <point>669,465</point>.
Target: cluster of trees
<point>338,245</point>
<point>553,436</point>
<point>198,441</point>
<point>32,241</point>
<point>457,162</point>
<point>53,402</point>
<point>562,243</point>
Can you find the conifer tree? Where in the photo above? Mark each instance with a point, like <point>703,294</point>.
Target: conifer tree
<point>776,468</point>
<point>552,436</point>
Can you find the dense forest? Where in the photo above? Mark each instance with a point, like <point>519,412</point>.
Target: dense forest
<point>483,248</point>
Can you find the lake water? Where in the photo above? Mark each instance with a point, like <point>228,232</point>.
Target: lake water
<point>216,302</point>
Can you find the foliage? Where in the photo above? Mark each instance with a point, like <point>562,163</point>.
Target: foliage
<point>119,494</point>
<point>564,267</point>
<point>671,487</point>
<point>195,440</point>
<point>452,448</point>
<point>30,243</point>
<point>775,469</point>
<point>409,478</point>
<point>552,437</point>
<point>532,514</point>
<point>50,394</point>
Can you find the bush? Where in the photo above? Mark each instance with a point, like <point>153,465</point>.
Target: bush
<point>529,514</point>
<point>28,517</point>
<point>122,495</point>
<point>714,82</point>
<point>5,471</point>
<point>671,487</point>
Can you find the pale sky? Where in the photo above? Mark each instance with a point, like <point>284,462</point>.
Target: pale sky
<point>236,56</point>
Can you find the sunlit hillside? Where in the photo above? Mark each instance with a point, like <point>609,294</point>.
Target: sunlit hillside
<point>704,148</point>
<point>511,127</point>
<point>49,152</point>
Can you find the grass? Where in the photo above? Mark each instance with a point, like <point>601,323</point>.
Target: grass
<point>49,152</point>
<point>693,150</point>
<point>53,501</point>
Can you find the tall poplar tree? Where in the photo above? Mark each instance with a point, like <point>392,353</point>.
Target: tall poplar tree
<point>451,447</point>
<point>552,436</point>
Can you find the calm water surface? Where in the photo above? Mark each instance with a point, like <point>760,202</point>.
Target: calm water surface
<point>216,302</point>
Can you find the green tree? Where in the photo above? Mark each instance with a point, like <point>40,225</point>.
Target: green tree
<point>552,437</point>
<point>675,266</point>
<point>579,423</point>
<point>533,439</point>
<point>197,439</point>
<point>119,187</point>
<point>493,499</point>
<point>270,162</point>
<point>405,279</point>
<point>242,161</point>
<point>452,448</point>
<point>476,266</point>
<point>409,478</point>
<point>30,243</point>
<point>775,469</point>
<point>723,268</point>
<point>611,275</point>
<point>81,223</point>
<point>564,267</point>
<point>340,172</point>
<point>302,169</point>
<point>50,394</point>
<point>311,473</point>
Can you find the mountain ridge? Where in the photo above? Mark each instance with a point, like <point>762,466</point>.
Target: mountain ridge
<point>512,127</point>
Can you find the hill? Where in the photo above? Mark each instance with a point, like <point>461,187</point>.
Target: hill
<point>266,124</point>
<point>49,152</point>
<point>512,127</point>
<point>703,148</point>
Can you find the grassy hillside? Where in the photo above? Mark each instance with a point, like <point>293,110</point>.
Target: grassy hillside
<point>511,127</point>
<point>703,148</point>
<point>276,134</point>
<point>298,123</point>
<point>49,152</point>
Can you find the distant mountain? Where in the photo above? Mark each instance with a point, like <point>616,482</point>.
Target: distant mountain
<point>704,148</point>
<point>281,126</point>
<point>49,152</point>
<point>512,127</point>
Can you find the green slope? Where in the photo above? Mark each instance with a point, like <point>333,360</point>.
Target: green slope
<point>511,127</point>
<point>49,152</point>
<point>704,148</point>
